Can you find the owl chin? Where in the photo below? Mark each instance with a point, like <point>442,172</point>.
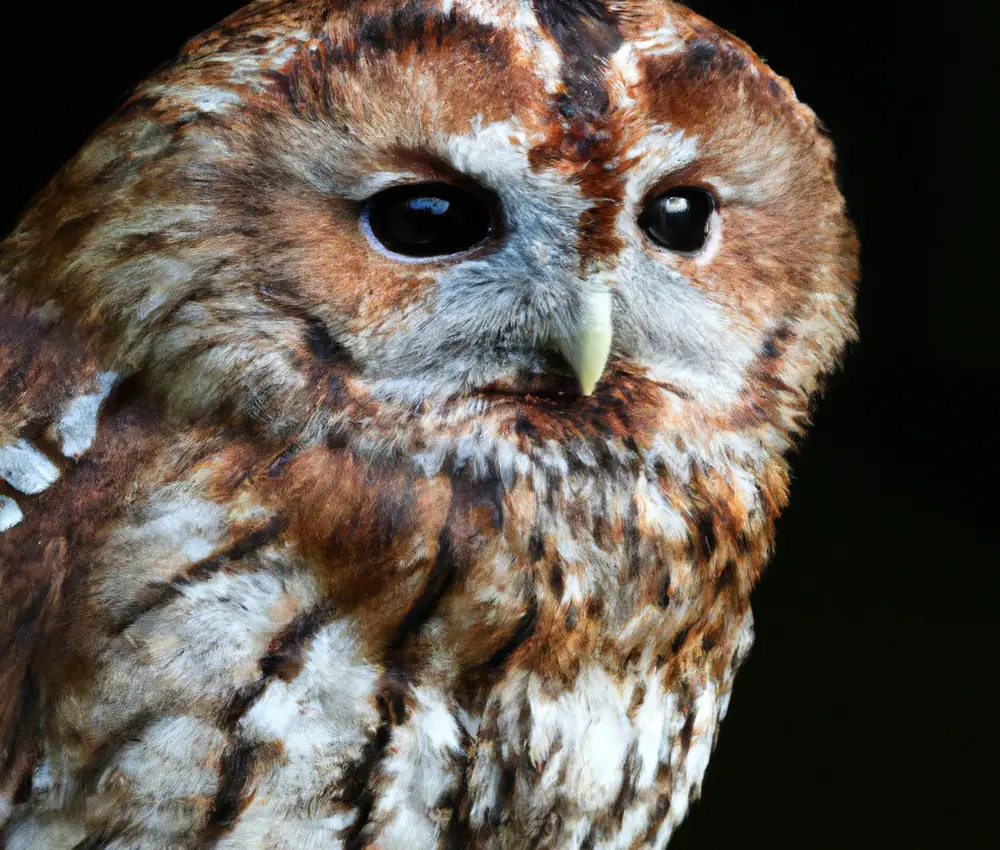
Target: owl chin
<point>549,378</point>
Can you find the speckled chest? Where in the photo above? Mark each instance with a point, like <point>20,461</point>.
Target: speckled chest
<point>271,643</point>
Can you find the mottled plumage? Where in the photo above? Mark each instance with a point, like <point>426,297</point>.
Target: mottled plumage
<point>307,545</point>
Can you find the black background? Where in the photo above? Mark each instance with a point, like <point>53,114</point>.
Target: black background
<point>866,715</point>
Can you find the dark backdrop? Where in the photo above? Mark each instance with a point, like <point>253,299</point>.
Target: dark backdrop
<point>866,715</point>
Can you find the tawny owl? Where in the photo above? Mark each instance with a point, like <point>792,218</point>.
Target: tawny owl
<point>394,409</point>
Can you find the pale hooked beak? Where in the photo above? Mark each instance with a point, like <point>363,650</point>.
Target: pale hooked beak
<point>587,351</point>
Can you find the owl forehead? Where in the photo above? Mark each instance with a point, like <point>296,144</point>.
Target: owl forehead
<point>591,76</point>
<point>575,61</point>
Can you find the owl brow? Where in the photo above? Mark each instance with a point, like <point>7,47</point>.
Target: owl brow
<point>420,25</point>
<point>417,25</point>
<point>586,32</point>
<point>586,29</point>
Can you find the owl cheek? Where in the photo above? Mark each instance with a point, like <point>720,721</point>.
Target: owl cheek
<point>749,273</point>
<point>333,268</point>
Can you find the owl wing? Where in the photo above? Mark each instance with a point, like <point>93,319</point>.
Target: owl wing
<point>51,393</point>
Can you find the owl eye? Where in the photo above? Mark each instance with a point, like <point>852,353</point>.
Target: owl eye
<point>427,219</point>
<point>679,219</point>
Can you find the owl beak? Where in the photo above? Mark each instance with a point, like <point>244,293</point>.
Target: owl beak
<point>587,350</point>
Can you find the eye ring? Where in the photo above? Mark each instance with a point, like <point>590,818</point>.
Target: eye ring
<point>679,219</point>
<point>421,222</point>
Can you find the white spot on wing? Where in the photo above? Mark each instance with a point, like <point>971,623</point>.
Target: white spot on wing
<point>10,513</point>
<point>76,430</point>
<point>26,469</point>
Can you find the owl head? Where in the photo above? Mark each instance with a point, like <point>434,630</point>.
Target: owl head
<point>564,206</point>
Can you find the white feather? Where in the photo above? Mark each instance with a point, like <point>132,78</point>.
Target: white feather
<point>26,469</point>
<point>10,513</point>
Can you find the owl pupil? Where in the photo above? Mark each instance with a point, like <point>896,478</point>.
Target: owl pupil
<point>678,220</point>
<point>428,219</point>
